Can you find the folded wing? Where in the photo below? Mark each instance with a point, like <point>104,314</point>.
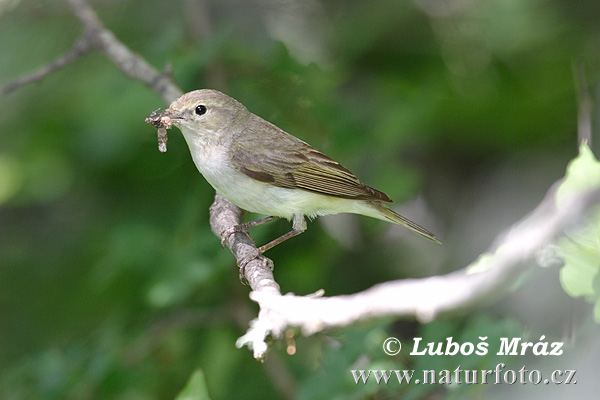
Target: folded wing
<point>283,160</point>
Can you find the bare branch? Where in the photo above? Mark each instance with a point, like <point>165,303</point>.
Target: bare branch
<point>256,268</point>
<point>84,45</point>
<point>96,36</point>
<point>424,299</point>
<point>584,100</point>
<point>132,64</point>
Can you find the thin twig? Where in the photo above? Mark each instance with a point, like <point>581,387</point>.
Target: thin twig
<point>84,45</point>
<point>130,63</point>
<point>96,36</point>
<point>584,100</point>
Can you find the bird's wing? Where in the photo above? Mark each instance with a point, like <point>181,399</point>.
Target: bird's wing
<point>280,159</point>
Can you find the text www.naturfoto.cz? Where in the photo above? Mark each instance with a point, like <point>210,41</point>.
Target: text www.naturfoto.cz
<point>470,377</point>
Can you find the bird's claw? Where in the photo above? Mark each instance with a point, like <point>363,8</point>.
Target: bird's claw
<point>230,231</point>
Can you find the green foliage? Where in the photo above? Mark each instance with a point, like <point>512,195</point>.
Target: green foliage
<point>580,249</point>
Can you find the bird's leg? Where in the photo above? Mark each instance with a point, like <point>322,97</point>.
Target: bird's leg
<point>252,224</point>
<point>242,227</point>
<point>298,226</point>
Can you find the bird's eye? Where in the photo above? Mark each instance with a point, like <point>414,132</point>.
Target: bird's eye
<point>200,110</point>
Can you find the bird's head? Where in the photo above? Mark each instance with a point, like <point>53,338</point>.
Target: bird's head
<point>206,112</point>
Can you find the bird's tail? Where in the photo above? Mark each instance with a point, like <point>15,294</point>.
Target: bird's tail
<point>392,216</point>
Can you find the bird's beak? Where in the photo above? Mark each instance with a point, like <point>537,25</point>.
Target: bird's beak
<point>173,114</point>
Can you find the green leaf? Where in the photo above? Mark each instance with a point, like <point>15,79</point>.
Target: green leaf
<point>195,389</point>
<point>583,173</point>
<point>581,255</point>
<point>580,250</point>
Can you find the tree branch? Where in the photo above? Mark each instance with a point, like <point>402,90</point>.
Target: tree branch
<point>84,45</point>
<point>480,283</point>
<point>255,268</point>
<point>96,36</point>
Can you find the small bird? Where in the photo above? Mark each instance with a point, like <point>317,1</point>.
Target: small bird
<point>263,169</point>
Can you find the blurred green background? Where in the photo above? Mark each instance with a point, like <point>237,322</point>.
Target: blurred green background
<point>112,285</point>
